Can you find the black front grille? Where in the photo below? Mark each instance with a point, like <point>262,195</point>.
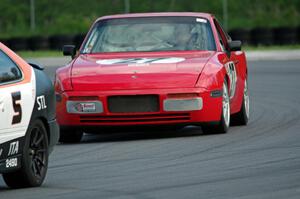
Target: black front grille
<point>133,104</point>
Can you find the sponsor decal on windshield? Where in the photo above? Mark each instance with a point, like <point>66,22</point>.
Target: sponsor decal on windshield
<point>201,20</point>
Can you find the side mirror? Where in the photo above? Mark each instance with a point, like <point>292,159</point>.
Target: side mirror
<point>235,45</point>
<point>69,50</point>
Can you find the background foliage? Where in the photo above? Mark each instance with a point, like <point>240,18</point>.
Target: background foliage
<point>76,16</point>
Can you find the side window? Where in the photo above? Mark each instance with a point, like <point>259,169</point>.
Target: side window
<point>221,41</point>
<point>9,71</point>
<point>223,37</point>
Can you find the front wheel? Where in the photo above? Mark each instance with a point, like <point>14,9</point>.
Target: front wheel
<point>223,125</point>
<point>34,159</point>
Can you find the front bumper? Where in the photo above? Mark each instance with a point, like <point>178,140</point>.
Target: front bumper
<point>11,161</point>
<point>203,108</point>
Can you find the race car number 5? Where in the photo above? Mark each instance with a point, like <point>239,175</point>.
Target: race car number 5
<point>16,97</point>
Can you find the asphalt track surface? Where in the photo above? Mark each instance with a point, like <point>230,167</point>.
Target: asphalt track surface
<point>261,160</point>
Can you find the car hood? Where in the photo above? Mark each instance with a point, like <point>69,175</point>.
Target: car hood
<point>119,71</point>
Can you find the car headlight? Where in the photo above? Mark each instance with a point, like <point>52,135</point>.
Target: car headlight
<point>183,102</point>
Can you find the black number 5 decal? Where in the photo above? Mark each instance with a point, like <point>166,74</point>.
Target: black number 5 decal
<point>16,97</point>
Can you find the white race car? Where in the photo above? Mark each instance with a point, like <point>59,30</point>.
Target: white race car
<point>28,128</point>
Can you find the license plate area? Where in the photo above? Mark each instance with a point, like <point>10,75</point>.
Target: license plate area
<point>133,104</point>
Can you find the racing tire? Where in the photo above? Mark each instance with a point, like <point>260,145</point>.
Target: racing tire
<point>242,117</point>
<point>34,160</point>
<point>70,136</point>
<point>223,125</point>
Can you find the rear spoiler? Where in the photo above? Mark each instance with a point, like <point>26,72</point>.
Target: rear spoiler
<point>36,66</point>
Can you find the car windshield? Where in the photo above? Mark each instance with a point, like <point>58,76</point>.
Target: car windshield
<point>150,34</point>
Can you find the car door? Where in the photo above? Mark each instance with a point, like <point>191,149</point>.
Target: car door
<point>17,96</point>
<point>232,63</point>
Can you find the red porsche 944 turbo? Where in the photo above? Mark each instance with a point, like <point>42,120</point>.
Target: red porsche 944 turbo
<point>153,69</point>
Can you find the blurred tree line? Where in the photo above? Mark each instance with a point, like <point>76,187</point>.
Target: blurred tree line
<point>76,16</point>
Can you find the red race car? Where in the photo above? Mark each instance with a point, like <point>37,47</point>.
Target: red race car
<point>153,69</point>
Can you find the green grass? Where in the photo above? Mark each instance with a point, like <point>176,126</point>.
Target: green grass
<point>49,53</point>
<point>44,53</point>
<point>266,48</point>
